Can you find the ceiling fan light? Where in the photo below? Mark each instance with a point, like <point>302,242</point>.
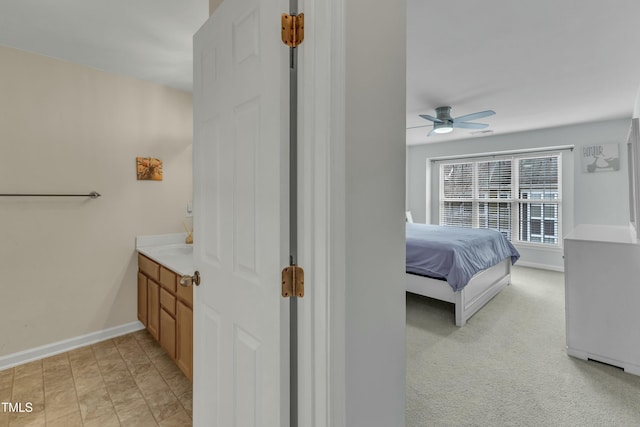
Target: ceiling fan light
<point>442,128</point>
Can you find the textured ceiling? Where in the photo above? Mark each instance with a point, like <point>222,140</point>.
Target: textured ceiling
<point>538,64</point>
<point>147,39</point>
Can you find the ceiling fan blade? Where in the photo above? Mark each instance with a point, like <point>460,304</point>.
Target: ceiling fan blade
<point>468,125</point>
<point>474,116</point>
<point>421,126</point>
<point>428,117</point>
<point>433,131</point>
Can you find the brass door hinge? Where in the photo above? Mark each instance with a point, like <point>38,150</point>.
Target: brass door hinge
<point>292,29</point>
<point>293,281</point>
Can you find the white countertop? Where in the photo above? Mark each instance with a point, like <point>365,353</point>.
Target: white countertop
<point>169,250</point>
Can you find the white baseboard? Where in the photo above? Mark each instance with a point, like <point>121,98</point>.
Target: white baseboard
<point>521,263</point>
<point>15,359</point>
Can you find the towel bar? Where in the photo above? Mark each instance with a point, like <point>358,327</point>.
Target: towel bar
<point>93,195</point>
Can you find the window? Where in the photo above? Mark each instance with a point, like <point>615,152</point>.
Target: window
<point>518,196</point>
<point>538,199</point>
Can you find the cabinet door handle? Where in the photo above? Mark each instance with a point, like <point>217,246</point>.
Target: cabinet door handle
<point>187,280</point>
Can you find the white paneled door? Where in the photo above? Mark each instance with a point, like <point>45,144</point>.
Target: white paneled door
<point>241,216</point>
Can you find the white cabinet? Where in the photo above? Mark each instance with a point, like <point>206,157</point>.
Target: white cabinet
<point>602,289</point>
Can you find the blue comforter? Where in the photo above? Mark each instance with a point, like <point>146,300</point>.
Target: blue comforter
<point>455,253</point>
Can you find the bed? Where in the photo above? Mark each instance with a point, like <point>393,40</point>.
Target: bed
<point>463,266</point>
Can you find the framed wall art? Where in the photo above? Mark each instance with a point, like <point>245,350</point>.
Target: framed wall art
<point>148,168</point>
<point>600,158</point>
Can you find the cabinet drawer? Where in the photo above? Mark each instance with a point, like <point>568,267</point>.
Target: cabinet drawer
<point>168,279</point>
<point>168,301</point>
<point>148,267</point>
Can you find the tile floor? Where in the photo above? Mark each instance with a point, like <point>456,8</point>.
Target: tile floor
<point>125,381</point>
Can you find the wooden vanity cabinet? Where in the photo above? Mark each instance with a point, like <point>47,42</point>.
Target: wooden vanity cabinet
<point>168,335</point>
<point>153,309</point>
<point>184,336</point>
<point>166,309</point>
<point>142,298</point>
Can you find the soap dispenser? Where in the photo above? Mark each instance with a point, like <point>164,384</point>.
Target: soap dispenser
<point>189,239</point>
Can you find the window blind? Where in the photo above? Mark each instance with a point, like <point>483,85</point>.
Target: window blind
<point>518,196</point>
<point>457,186</point>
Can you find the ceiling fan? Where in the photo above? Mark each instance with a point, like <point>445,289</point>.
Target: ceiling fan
<point>444,123</point>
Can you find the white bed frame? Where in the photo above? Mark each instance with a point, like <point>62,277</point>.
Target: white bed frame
<point>483,286</point>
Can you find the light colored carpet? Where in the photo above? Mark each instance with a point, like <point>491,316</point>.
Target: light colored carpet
<point>508,365</point>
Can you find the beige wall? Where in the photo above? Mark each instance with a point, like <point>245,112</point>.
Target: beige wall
<point>68,266</point>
